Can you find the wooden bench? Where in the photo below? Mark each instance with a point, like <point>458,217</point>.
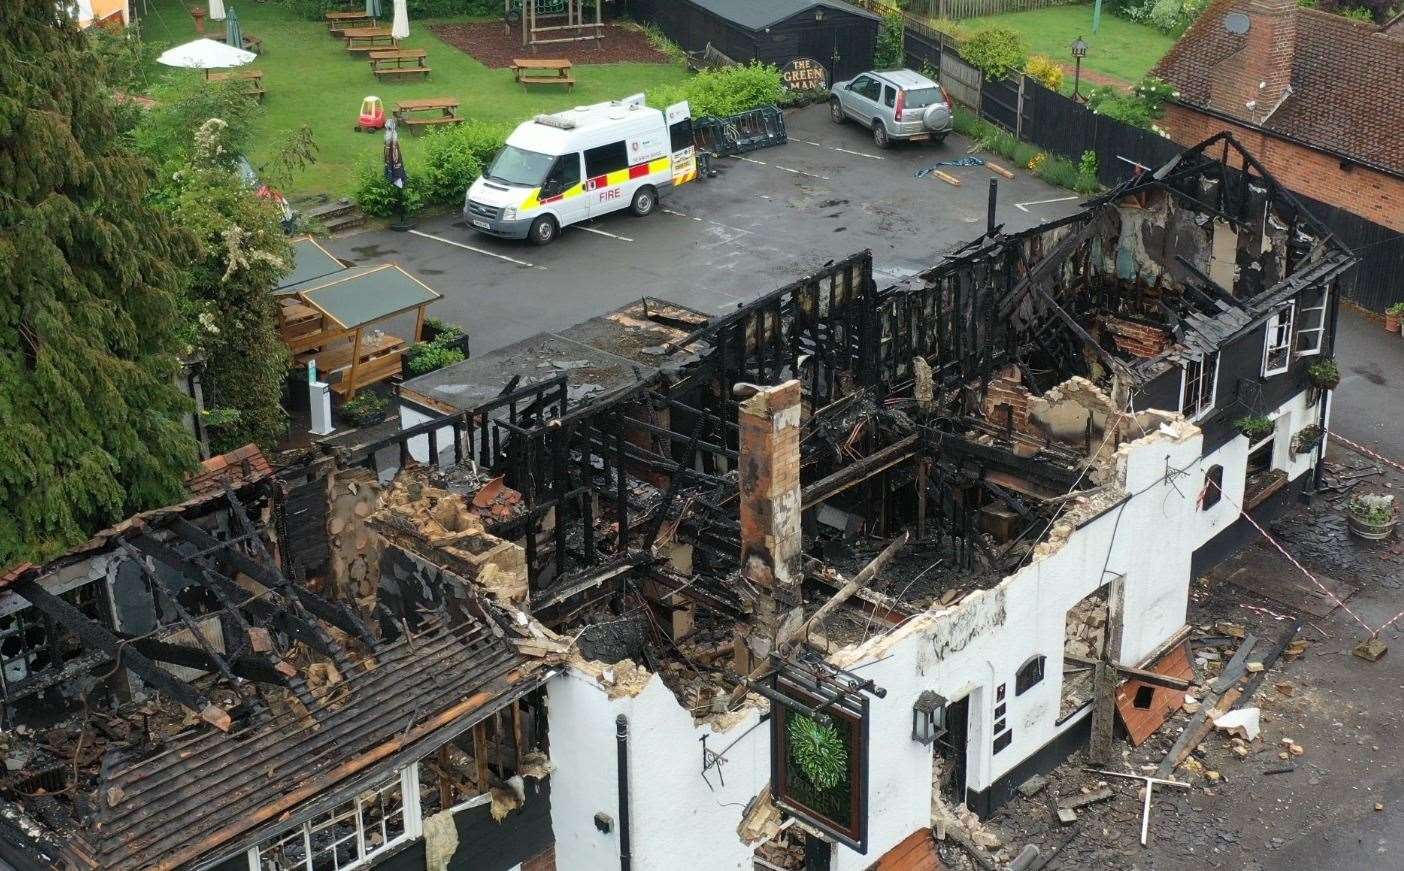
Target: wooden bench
<point>379,359</point>
<point>339,22</point>
<point>251,43</point>
<point>543,71</point>
<point>252,78</point>
<point>447,107</point>
<point>363,40</point>
<point>399,62</point>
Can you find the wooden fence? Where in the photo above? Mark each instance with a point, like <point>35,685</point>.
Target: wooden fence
<point>961,9</point>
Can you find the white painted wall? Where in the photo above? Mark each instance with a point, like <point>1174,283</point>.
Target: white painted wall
<point>419,447</point>
<point>678,821</point>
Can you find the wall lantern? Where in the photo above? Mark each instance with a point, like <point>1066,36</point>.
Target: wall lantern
<point>928,718</point>
<point>819,13</point>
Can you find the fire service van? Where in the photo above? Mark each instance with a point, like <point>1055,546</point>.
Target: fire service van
<point>561,169</point>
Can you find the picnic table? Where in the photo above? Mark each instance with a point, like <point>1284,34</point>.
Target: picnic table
<point>399,62</point>
<point>376,357</point>
<point>339,22</point>
<point>543,71</point>
<point>367,39</point>
<point>251,43</point>
<point>253,78</point>
<point>447,107</point>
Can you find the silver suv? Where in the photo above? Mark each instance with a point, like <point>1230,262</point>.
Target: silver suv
<point>894,104</point>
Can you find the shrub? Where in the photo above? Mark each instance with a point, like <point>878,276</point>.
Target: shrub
<point>1359,13</point>
<point>1254,426</point>
<point>1173,16</point>
<point>380,199</point>
<point>442,331</point>
<point>447,170</point>
<point>1087,172</point>
<point>123,59</point>
<point>887,54</point>
<point>1324,374</point>
<point>315,9</point>
<point>428,356</point>
<point>366,409</point>
<point>950,27</point>
<point>1048,71</point>
<point>1139,108</point>
<point>996,51</point>
<point>734,89</point>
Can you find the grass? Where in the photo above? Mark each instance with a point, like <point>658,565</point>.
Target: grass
<point>1122,48</point>
<point>311,79</point>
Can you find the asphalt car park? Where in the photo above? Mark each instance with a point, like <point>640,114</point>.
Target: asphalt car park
<point>767,218</point>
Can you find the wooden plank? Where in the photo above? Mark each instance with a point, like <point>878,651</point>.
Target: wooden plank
<point>1236,666</point>
<point>946,177</point>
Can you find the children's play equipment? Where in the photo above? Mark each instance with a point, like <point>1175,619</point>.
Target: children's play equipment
<point>558,16</point>
<point>372,115</point>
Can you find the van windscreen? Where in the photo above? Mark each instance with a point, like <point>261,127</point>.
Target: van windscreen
<point>920,98</point>
<point>518,167</point>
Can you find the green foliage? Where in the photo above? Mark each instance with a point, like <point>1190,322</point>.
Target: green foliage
<point>1324,373</point>
<point>1087,169</point>
<point>367,408</point>
<point>90,424</point>
<point>314,9</point>
<point>167,135</point>
<point>818,749</point>
<point>888,54</point>
<point>1307,438</point>
<point>952,28</point>
<point>724,91</point>
<point>1048,71</point>
<point>428,356</point>
<point>379,198</point>
<point>122,57</point>
<point>996,51</point>
<point>660,40</point>
<point>453,158</point>
<point>1144,105</point>
<point>443,331</point>
<point>1374,508</point>
<point>1173,16</point>
<point>1308,4</point>
<point>1050,167</point>
<point>1254,426</point>
<point>1359,13</point>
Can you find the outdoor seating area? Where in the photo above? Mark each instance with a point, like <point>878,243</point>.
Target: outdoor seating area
<point>339,22</point>
<point>400,62</point>
<point>327,314</point>
<point>251,81</point>
<point>410,112</point>
<point>543,71</point>
<point>363,40</point>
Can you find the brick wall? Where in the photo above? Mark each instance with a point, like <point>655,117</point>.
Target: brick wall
<point>1138,339</point>
<point>1007,389</point>
<point>1372,195</point>
<point>543,861</point>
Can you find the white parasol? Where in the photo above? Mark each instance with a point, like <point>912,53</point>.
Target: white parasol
<point>216,10</point>
<point>399,28</point>
<point>206,54</point>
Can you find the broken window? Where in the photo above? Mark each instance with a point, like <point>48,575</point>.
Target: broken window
<point>1277,350</point>
<point>1199,381</point>
<point>348,835</point>
<point>1029,675</point>
<point>1213,488</point>
<point>1311,322</point>
<point>1085,632</point>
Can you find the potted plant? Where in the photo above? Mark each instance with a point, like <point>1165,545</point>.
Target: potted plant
<point>1372,515</point>
<point>1255,426</point>
<point>367,409</point>
<point>1306,439</point>
<point>1392,316</point>
<point>436,329</point>
<point>1324,374</point>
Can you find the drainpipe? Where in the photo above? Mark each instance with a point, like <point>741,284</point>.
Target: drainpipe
<point>621,741</point>
<point>1334,301</point>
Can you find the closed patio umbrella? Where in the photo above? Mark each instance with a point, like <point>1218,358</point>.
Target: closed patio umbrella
<point>373,8</point>
<point>216,10</point>
<point>399,28</point>
<point>205,54</point>
<point>233,33</point>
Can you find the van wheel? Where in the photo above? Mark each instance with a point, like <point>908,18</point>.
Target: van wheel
<point>836,111</point>
<point>645,198</point>
<point>880,137</point>
<point>543,230</point>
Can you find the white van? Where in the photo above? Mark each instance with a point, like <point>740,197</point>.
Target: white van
<point>557,170</point>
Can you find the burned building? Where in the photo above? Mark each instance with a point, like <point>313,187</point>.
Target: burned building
<point>778,588</point>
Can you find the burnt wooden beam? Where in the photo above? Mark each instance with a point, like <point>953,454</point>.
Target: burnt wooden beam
<point>1220,292</point>
<point>247,667</point>
<point>858,472</point>
<point>1150,677</point>
<point>1045,266</point>
<point>1111,362</point>
<point>98,637</point>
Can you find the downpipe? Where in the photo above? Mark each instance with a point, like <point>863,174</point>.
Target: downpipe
<point>621,741</point>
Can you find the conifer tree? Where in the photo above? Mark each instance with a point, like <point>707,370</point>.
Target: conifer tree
<point>90,420</point>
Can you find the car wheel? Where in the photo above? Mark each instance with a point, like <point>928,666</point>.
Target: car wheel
<point>836,111</point>
<point>880,137</point>
<point>543,230</point>
<point>645,198</point>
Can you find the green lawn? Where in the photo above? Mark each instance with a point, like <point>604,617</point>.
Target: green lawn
<point>311,79</point>
<point>1122,48</point>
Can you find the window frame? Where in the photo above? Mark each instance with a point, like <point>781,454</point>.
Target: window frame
<point>1038,660</point>
<point>1204,408</point>
<point>889,96</point>
<point>1319,330</point>
<point>622,149</point>
<point>1215,475</point>
<point>407,779</point>
<point>1285,340</point>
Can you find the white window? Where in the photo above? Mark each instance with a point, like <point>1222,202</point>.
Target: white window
<point>1277,350</point>
<point>1311,322</point>
<point>1199,380</point>
<point>349,835</point>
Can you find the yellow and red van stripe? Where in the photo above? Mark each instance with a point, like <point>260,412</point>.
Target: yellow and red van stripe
<point>619,176</point>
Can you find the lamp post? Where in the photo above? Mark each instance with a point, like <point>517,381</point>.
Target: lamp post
<point>1079,51</point>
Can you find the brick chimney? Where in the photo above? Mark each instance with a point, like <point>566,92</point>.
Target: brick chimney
<point>771,540</point>
<point>1252,82</point>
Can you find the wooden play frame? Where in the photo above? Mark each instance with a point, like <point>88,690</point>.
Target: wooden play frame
<point>574,16</point>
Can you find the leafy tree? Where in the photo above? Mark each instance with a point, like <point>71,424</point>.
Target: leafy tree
<point>887,54</point>
<point>90,421</point>
<point>995,51</point>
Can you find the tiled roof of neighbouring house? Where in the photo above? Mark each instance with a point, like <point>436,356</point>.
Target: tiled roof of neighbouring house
<point>1344,77</point>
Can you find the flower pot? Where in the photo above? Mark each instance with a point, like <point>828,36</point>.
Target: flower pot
<point>1372,531</point>
<point>1391,323</point>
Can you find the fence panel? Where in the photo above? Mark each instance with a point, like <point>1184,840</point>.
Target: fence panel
<point>1001,102</point>
<point>961,80</point>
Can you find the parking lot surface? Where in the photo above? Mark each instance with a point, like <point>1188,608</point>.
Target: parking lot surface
<point>767,218</point>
